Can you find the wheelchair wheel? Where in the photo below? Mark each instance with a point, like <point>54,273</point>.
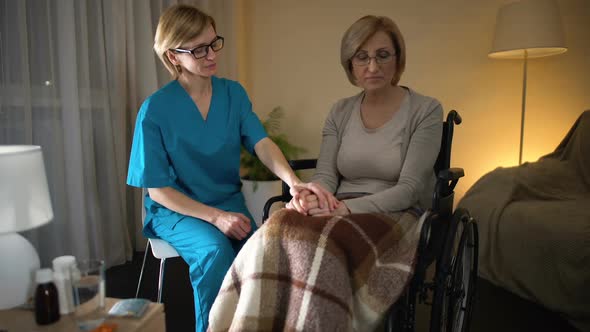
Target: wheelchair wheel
<point>454,291</point>
<point>396,318</point>
<point>463,280</point>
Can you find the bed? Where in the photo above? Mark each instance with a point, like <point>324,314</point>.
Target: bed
<point>534,226</point>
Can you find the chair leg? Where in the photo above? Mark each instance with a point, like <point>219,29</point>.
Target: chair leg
<point>147,247</point>
<point>161,279</point>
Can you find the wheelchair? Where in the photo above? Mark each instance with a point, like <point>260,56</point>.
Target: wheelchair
<point>448,239</point>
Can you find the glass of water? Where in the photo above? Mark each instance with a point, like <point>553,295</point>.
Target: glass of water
<point>88,287</point>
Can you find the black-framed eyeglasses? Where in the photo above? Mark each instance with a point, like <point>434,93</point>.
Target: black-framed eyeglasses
<point>201,51</point>
<point>363,58</point>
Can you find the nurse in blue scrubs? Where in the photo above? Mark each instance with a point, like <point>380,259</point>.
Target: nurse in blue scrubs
<point>186,152</point>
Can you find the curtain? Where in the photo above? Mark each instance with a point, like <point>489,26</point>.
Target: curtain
<point>73,74</point>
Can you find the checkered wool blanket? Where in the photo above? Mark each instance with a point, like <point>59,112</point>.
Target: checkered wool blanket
<point>301,273</point>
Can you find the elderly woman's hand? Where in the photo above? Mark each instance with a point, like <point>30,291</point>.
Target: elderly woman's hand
<point>308,204</point>
<point>341,210</point>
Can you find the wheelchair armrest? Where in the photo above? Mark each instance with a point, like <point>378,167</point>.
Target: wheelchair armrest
<point>269,203</point>
<point>451,174</point>
<point>443,196</point>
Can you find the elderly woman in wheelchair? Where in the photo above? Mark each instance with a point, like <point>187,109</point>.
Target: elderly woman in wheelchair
<point>313,269</point>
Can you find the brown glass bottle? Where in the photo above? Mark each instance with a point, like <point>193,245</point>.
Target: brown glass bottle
<point>46,302</point>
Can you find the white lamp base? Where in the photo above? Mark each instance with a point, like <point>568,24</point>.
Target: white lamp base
<point>18,262</point>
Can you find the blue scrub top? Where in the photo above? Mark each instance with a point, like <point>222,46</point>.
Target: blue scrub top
<point>173,146</point>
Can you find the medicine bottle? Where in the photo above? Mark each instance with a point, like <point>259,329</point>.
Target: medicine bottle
<point>46,301</point>
<point>61,276</point>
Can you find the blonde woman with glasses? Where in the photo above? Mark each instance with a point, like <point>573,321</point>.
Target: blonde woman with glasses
<point>186,152</point>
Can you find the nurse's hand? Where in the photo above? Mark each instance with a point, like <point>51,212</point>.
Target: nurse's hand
<point>299,203</point>
<point>326,199</point>
<point>232,224</point>
<point>304,202</point>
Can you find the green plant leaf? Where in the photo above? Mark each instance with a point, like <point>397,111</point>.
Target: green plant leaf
<point>256,171</point>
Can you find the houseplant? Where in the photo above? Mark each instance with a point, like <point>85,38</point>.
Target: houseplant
<point>258,182</point>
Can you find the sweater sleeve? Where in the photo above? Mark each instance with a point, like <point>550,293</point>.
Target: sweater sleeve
<point>417,168</point>
<point>326,173</point>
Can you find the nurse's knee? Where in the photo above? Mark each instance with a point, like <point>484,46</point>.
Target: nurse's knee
<point>222,255</point>
<point>213,260</point>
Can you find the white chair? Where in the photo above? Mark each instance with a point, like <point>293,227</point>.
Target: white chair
<point>161,250</point>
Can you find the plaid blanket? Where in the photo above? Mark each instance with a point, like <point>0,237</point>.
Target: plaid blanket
<point>301,273</point>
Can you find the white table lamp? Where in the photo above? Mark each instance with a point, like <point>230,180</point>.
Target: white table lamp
<point>24,204</point>
<point>527,29</point>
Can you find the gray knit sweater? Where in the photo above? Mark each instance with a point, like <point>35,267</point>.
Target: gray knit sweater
<point>420,144</point>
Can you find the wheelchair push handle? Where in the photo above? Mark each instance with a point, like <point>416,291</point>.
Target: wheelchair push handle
<point>454,117</point>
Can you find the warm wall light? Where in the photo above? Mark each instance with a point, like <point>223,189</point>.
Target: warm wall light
<point>24,204</point>
<point>527,29</point>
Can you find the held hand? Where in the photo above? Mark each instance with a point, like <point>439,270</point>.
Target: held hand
<point>341,210</point>
<point>325,198</point>
<point>232,224</point>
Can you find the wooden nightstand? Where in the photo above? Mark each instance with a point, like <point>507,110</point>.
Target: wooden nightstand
<point>21,320</point>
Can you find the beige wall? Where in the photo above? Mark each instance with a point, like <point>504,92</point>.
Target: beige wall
<point>289,53</point>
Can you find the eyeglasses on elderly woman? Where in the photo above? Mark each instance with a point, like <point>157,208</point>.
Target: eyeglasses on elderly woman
<point>362,58</point>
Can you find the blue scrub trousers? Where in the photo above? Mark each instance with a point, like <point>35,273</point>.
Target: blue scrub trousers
<point>209,254</point>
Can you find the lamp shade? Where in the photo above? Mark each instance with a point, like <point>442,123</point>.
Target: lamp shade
<point>531,25</point>
<point>24,194</point>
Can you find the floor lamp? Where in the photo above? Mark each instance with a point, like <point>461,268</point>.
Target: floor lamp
<point>527,29</point>
<point>24,204</point>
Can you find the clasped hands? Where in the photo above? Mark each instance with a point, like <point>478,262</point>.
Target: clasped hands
<point>312,199</point>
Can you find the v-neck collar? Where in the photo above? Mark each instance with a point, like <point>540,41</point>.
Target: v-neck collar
<point>192,102</point>
<point>405,104</point>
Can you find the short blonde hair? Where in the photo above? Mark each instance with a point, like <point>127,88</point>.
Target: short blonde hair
<point>363,29</point>
<point>177,25</point>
